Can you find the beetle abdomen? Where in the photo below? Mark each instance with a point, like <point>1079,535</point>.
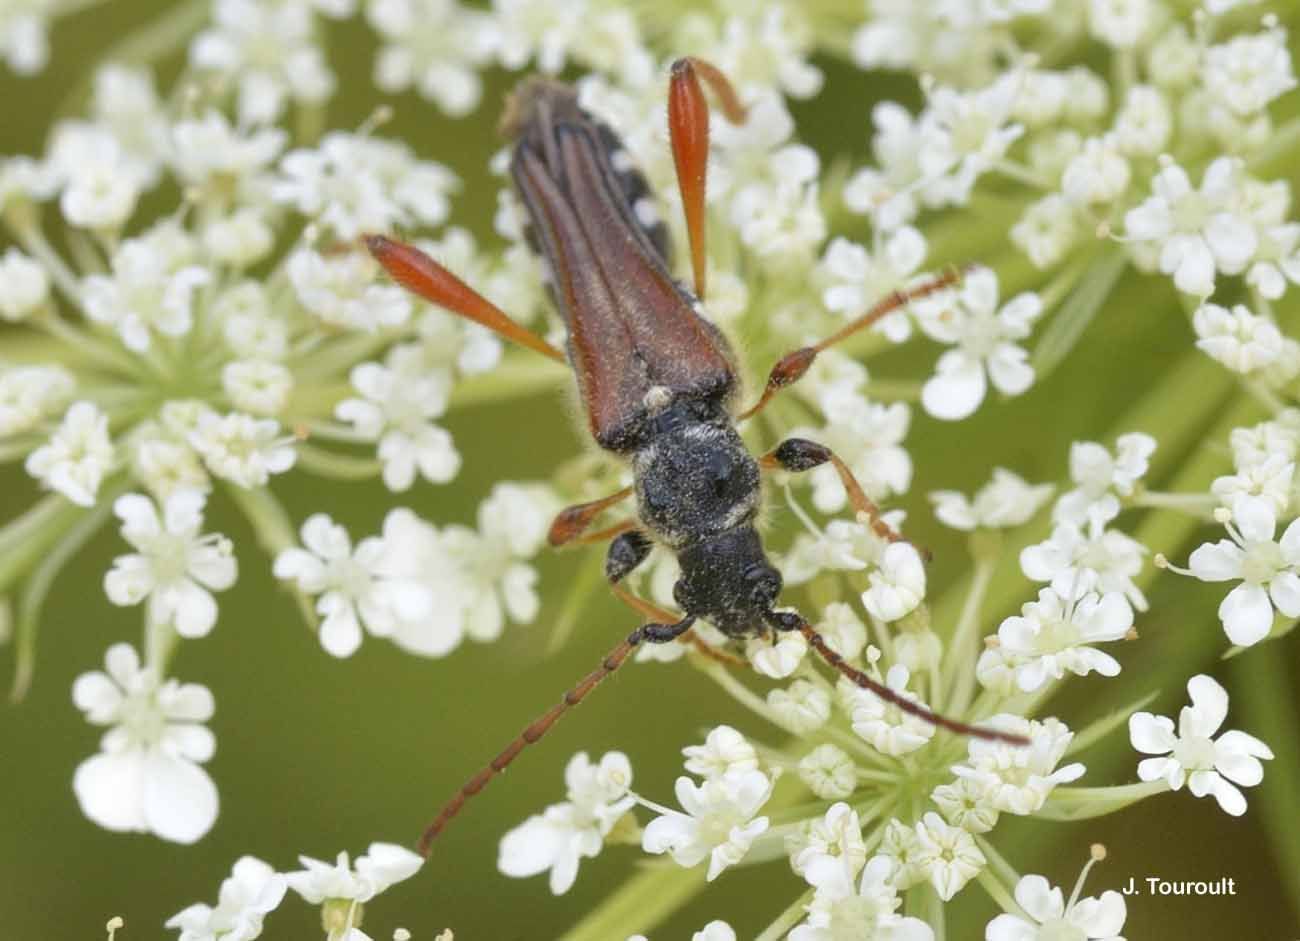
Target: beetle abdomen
<point>636,338</point>
<point>533,111</point>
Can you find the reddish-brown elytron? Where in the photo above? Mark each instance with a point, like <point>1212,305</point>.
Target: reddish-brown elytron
<point>656,379</point>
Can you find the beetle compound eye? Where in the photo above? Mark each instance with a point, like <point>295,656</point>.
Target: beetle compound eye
<point>686,599</point>
<point>765,584</point>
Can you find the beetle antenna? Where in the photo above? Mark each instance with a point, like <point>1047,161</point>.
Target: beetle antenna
<point>646,633</point>
<point>792,621</point>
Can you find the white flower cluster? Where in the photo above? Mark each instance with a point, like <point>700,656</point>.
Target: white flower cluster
<point>717,822</point>
<point>855,897</point>
<point>1097,160</point>
<point>895,572</point>
<point>255,889</point>
<point>1252,502</point>
<point>1192,756</point>
<point>983,334</point>
<point>424,587</point>
<point>1089,568</point>
<point>246,335</point>
<point>1050,913</point>
<point>844,729</point>
<point>199,355</point>
<point>147,776</point>
<point>565,833</point>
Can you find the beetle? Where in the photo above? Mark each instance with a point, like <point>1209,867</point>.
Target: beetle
<point>656,378</point>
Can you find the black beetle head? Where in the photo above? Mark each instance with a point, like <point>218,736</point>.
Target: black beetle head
<point>728,581</point>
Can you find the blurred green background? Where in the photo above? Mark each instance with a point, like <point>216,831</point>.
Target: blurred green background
<point>317,755</point>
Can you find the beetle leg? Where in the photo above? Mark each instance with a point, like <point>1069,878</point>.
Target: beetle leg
<point>688,129</point>
<point>626,553</point>
<point>798,454</point>
<point>791,367</point>
<point>651,610</point>
<point>607,533</point>
<point>571,523</point>
<point>417,272</point>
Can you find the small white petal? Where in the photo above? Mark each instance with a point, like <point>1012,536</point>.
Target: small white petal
<point>180,800</point>
<point>109,790</point>
<point>1247,614</point>
<point>1209,707</point>
<point>1284,590</point>
<point>213,567</point>
<point>340,631</point>
<point>1009,369</point>
<point>1236,741</point>
<point>1229,797</point>
<point>1010,928</point>
<point>1153,769</point>
<point>1217,562</point>
<point>1255,518</point>
<point>957,389</point>
<point>1100,918</point>
<point>1040,899</point>
<point>195,608</point>
<point>97,696</point>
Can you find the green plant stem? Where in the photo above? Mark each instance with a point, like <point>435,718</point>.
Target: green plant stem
<point>1084,803</point>
<point>738,691</point>
<point>585,584</point>
<point>1106,724</point>
<point>997,891</point>
<point>337,466</point>
<point>1067,326</point>
<point>789,917</point>
<point>640,904</point>
<point>1264,696</point>
<point>1004,872</point>
<point>26,539</point>
<point>274,531</point>
<point>960,647</point>
<point>935,916</point>
<point>41,581</point>
<point>163,35</point>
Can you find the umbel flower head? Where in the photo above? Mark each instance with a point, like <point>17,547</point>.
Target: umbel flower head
<point>1046,913</point>
<point>147,776</point>
<point>253,890</point>
<point>1191,756</point>
<point>570,831</point>
<point>201,346</point>
<point>175,567</point>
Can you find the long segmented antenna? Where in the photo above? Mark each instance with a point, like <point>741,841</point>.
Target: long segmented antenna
<point>792,621</point>
<point>533,732</point>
